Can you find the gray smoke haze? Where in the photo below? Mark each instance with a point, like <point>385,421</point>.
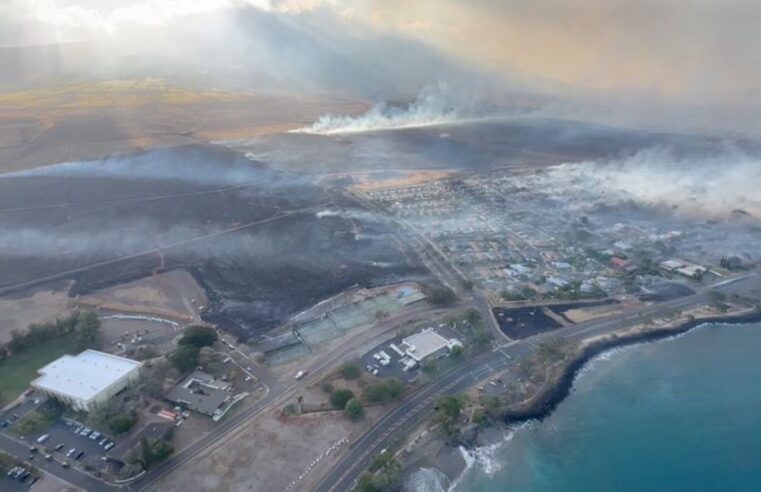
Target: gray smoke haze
<point>709,185</point>
<point>120,239</point>
<point>163,165</point>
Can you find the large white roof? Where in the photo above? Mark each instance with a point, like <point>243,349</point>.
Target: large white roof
<point>84,376</point>
<point>424,343</point>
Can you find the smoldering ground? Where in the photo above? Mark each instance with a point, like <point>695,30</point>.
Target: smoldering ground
<point>250,235</point>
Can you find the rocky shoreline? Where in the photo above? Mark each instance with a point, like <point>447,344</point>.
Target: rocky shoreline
<point>546,402</point>
<point>450,460</point>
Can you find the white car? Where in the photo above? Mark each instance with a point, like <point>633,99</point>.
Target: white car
<point>299,375</point>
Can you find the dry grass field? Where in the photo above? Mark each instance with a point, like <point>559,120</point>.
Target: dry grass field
<point>96,119</point>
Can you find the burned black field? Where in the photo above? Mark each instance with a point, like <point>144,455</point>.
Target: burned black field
<point>263,244</point>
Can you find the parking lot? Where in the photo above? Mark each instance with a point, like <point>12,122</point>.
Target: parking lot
<point>67,435</point>
<point>372,361</point>
<point>384,360</point>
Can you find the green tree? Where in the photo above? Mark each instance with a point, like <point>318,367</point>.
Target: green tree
<point>121,424</point>
<point>88,330</point>
<point>385,474</point>
<point>448,413</point>
<point>456,351</point>
<point>152,452</point>
<point>353,409</point>
<point>340,397</point>
<point>184,357</point>
<point>198,336</point>
<point>441,295</point>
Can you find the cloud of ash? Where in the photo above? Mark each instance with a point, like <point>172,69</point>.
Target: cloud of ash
<point>706,185</point>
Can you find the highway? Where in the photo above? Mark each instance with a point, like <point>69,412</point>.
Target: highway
<point>416,406</point>
<point>278,393</point>
<point>407,414</point>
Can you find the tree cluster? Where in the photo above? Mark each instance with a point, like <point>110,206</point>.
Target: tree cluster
<point>185,356</point>
<point>385,474</point>
<point>441,295</point>
<point>84,325</point>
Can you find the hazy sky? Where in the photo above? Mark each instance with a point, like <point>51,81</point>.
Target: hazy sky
<point>699,48</point>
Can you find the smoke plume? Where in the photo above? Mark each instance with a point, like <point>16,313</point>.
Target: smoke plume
<point>434,106</point>
<point>706,185</point>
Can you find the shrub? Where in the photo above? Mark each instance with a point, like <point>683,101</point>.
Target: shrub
<point>353,409</point>
<point>387,390</point>
<point>326,386</point>
<point>340,397</point>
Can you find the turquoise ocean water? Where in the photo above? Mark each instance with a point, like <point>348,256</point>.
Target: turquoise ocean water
<point>682,414</point>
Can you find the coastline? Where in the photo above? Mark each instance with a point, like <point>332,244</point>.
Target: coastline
<point>544,403</point>
<point>451,461</point>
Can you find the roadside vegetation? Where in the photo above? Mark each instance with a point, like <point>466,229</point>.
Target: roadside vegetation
<point>384,474</point>
<point>149,453</point>
<point>448,412</point>
<point>383,391</point>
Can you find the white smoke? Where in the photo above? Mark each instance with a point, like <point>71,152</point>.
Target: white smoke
<point>707,185</point>
<point>161,165</point>
<point>434,106</point>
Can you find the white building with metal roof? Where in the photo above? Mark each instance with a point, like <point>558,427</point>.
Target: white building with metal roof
<point>87,380</point>
<point>427,343</point>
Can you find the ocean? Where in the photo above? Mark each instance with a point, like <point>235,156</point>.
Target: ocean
<point>682,414</point>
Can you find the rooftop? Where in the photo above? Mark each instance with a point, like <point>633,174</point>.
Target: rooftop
<point>200,392</point>
<point>85,375</point>
<point>425,343</point>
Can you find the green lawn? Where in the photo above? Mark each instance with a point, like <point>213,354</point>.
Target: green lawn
<point>17,371</point>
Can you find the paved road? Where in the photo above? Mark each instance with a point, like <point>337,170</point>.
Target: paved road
<point>279,393</point>
<point>419,404</point>
<point>408,413</point>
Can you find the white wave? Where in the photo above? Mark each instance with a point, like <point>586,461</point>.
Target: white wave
<point>436,105</point>
<point>486,458</point>
<point>427,480</point>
